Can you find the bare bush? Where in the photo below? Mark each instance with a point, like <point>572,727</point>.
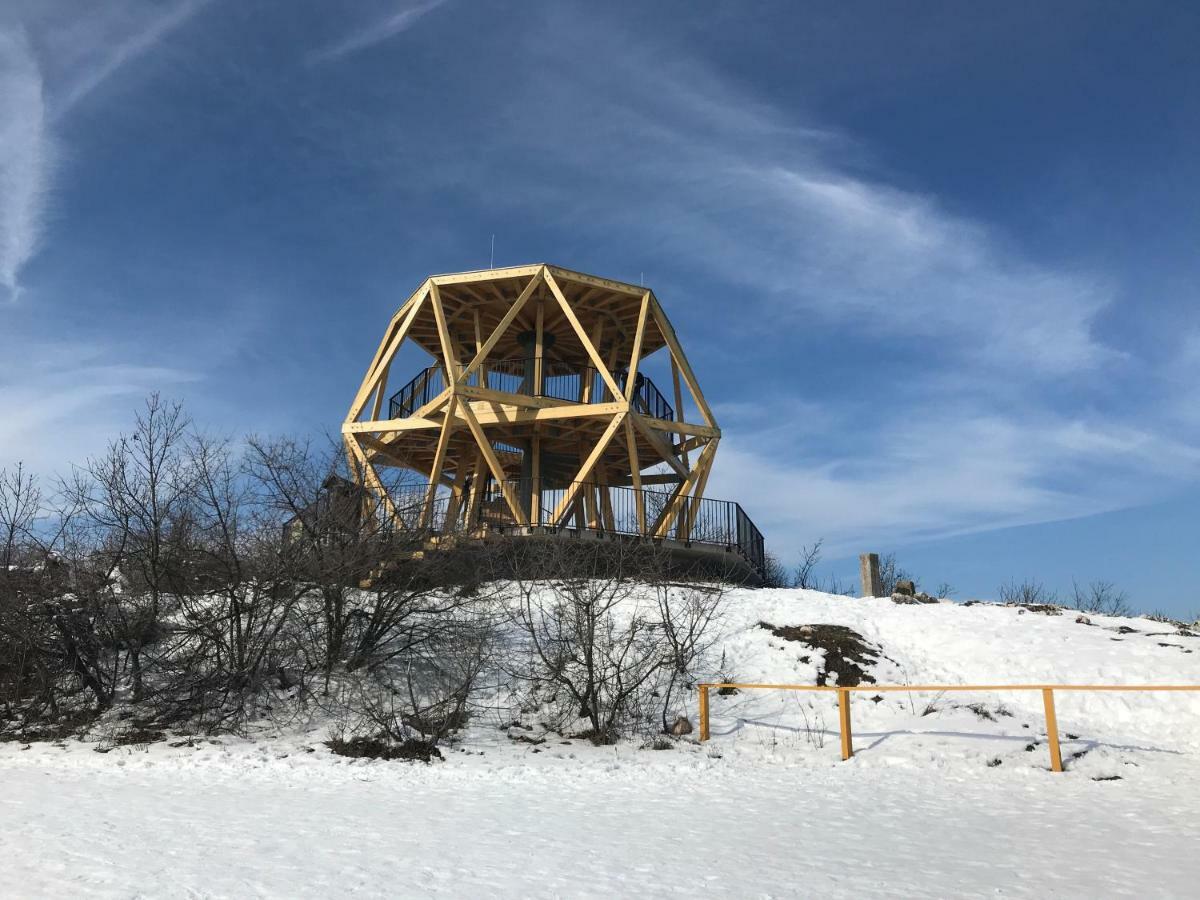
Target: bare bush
<point>594,645</point>
<point>1102,598</point>
<point>810,556</point>
<point>890,573</point>
<point>1027,593</point>
<point>775,573</point>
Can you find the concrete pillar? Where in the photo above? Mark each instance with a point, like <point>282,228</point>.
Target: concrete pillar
<point>868,568</point>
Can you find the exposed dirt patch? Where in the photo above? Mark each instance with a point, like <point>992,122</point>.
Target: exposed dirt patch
<point>381,748</point>
<point>50,729</point>
<point>846,651</point>
<point>983,712</point>
<point>526,739</point>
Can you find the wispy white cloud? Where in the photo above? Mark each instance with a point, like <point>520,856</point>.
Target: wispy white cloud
<point>374,33</point>
<point>61,400</point>
<point>974,408</point>
<point>948,476</point>
<point>26,156</point>
<point>80,53</point>
<point>779,206</point>
<point>127,37</point>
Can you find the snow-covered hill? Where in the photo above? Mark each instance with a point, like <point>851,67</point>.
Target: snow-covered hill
<point>950,643</point>
<point>947,795</point>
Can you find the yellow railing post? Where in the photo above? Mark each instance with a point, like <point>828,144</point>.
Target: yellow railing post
<point>1052,730</point>
<point>844,723</point>
<point>847,732</point>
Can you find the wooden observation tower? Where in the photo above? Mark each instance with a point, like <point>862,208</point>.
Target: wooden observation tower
<point>539,414</point>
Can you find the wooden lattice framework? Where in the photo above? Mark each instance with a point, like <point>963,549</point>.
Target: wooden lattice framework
<point>549,323</point>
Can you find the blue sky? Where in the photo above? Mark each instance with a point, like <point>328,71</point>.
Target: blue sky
<point>936,264</point>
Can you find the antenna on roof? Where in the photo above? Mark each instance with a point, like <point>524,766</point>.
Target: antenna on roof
<point>492,260</point>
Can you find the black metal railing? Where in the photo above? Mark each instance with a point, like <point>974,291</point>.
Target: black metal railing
<point>560,381</point>
<point>427,385</point>
<point>602,509</point>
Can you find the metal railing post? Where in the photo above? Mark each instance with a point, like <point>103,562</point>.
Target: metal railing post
<point>1052,730</point>
<point>844,723</point>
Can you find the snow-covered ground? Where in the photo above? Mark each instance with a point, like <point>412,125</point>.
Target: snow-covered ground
<point>942,799</point>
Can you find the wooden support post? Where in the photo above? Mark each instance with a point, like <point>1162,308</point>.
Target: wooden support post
<point>588,345</point>
<point>500,329</point>
<point>608,521</point>
<point>483,371</point>
<point>868,570</point>
<point>704,733</point>
<point>678,401</point>
<point>539,349</point>
<point>635,358</point>
<point>589,492</point>
<point>535,496</point>
<point>635,475</point>
<point>439,460</point>
<point>478,474</point>
<point>585,471</point>
<point>844,723</point>
<point>489,455</point>
<point>454,505</point>
<point>1052,730</point>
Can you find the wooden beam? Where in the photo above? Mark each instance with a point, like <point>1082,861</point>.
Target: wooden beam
<point>635,473</point>
<point>698,490</point>
<point>448,360</point>
<point>678,401</point>
<point>586,384</point>
<point>489,454</point>
<point>677,354</point>
<point>586,469</point>
<point>412,423</point>
<point>477,479</point>
<point>454,504</point>
<point>589,491</point>
<point>487,274</point>
<point>636,357</point>
<point>672,510</point>
<point>535,495</point>
<point>661,447</point>
<point>682,428</point>
<point>506,399</point>
<point>414,299</point>
<point>606,283</point>
<point>384,355</point>
<point>373,482</point>
<point>500,329</point>
<point>592,353</point>
<point>539,337</point>
<point>495,415</point>
<point>439,460</point>
<point>381,390</point>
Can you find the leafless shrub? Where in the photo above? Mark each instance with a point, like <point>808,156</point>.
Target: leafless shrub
<point>1027,593</point>
<point>1102,598</point>
<point>890,572</point>
<point>595,645</point>
<point>775,573</point>
<point>810,556</point>
<point>814,729</point>
<point>687,614</point>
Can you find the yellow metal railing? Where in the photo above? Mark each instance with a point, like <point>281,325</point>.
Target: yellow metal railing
<point>847,733</point>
